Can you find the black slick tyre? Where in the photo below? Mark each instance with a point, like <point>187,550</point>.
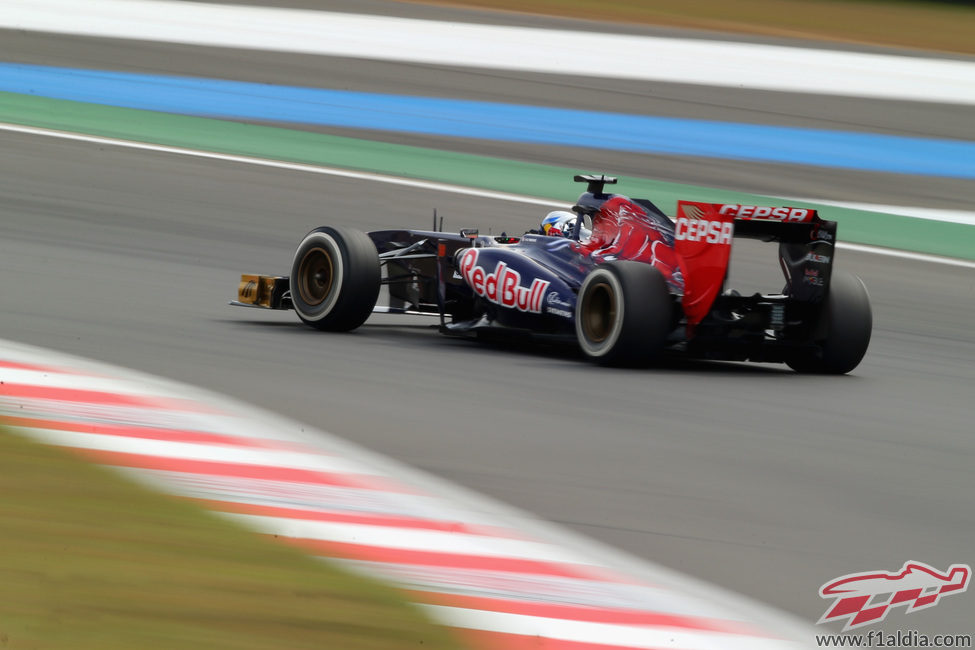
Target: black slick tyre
<point>843,331</point>
<point>335,278</point>
<point>623,314</point>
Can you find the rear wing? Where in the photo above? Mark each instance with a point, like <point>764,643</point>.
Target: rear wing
<point>703,236</point>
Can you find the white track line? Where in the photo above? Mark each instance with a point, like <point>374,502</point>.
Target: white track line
<point>626,56</point>
<point>279,164</point>
<point>408,182</point>
<point>907,255</point>
<point>964,217</point>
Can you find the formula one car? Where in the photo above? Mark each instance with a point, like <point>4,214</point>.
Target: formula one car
<point>621,279</point>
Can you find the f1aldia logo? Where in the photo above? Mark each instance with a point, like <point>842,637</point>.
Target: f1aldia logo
<point>503,285</point>
<point>866,598</point>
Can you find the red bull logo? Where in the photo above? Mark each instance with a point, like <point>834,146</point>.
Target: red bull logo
<point>866,598</point>
<point>503,285</point>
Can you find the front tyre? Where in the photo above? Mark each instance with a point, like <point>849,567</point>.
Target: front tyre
<point>335,278</point>
<point>844,329</point>
<point>623,314</point>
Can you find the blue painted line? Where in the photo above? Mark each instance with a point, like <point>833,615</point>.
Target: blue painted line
<point>495,121</point>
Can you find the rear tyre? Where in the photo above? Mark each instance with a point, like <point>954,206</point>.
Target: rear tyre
<point>623,314</point>
<point>844,329</point>
<point>335,278</point>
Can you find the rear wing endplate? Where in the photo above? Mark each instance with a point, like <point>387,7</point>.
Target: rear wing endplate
<point>703,236</point>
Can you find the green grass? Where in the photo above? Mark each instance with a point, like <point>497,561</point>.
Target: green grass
<point>940,26</point>
<point>89,560</point>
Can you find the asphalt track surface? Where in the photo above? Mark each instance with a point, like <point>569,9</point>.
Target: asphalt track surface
<point>752,477</point>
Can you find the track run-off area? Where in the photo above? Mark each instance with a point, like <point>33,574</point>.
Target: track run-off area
<point>759,480</point>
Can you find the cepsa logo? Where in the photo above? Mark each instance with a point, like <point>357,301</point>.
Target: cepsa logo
<point>761,212</point>
<point>693,226</point>
<point>503,285</point>
<point>713,232</point>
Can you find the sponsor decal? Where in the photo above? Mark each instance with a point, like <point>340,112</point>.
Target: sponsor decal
<point>502,286</point>
<point>554,243</point>
<point>762,212</point>
<point>866,598</point>
<point>554,304</point>
<point>691,210</point>
<point>812,277</point>
<point>821,235</point>
<point>554,299</point>
<point>821,259</point>
<point>696,228</point>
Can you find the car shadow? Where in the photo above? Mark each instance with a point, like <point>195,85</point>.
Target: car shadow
<point>515,346</point>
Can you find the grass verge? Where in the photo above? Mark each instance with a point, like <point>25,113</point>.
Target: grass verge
<point>89,560</point>
<point>938,26</point>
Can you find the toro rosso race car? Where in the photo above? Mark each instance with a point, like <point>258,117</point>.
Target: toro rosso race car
<point>620,278</point>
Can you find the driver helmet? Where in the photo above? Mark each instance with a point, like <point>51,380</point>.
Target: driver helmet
<point>561,223</point>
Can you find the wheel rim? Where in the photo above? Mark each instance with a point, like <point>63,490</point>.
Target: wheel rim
<point>598,312</point>
<point>315,275</point>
